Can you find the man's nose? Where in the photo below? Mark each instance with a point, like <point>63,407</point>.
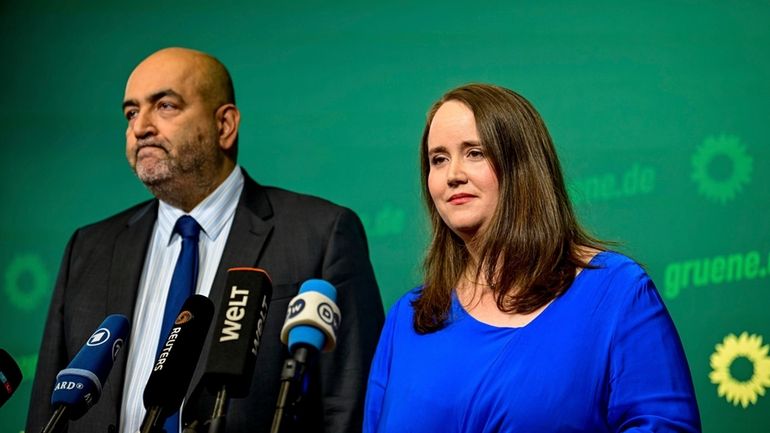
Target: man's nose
<point>143,125</point>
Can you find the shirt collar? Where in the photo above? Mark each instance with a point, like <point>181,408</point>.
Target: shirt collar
<point>213,213</point>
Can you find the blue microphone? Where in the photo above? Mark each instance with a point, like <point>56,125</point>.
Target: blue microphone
<point>79,386</point>
<point>312,320</point>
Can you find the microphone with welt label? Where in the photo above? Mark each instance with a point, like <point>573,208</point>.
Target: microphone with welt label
<point>235,343</point>
<point>79,386</point>
<point>173,370</point>
<point>10,376</point>
<point>312,320</point>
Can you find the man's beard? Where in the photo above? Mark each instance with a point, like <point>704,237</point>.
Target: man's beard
<point>172,177</point>
<point>157,172</point>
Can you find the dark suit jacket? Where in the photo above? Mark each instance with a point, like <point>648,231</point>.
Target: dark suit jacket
<point>293,237</point>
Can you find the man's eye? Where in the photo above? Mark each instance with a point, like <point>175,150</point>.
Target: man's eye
<point>130,114</point>
<point>166,106</point>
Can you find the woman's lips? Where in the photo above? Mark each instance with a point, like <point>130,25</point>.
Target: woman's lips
<point>458,199</point>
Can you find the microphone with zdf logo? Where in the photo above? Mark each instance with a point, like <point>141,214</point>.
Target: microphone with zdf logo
<point>312,320</point>
<point>79,386</point>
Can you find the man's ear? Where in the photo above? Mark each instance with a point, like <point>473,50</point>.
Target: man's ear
<point>228,119</point>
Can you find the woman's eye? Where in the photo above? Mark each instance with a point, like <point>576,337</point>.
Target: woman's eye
<point>475,153</point>
<point>437,159</point>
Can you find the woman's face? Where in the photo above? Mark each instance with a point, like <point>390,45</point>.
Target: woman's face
<point>461,181</point>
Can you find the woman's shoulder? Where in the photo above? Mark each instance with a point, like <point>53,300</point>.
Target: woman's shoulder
<point>614,278</point>
<point>616,265</point>
<point>404,303</point>
<point>399,318</point>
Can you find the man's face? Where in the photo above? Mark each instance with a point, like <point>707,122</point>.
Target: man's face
<point>172,134</point>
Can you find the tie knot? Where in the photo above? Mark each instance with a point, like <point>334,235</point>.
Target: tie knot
<point>187,227</point>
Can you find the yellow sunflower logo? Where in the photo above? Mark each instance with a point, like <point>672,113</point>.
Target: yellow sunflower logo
<point>730,349</point>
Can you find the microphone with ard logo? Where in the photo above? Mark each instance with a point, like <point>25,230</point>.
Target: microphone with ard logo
<point>10,376</point>
<point>79,386</point>
<point>235,344</point>
<point>312,320</point>
<point>173,370</point>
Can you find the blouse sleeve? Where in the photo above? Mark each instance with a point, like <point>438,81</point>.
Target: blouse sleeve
<point>379,373</point>
<point>650,385</point>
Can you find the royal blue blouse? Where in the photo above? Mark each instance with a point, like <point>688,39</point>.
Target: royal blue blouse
<point>603,357</point>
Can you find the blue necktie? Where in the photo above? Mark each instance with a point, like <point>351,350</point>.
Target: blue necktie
<point>182,287</point>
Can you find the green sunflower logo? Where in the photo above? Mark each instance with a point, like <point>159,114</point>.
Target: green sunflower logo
<point>732,348</point>
<point>26,268</point>
<point>724,148</point>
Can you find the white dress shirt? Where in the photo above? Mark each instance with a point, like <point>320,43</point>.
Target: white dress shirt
<point>215,216</point>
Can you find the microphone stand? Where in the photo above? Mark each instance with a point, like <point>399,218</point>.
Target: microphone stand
<point>57,422</point>
<point>151,420</point>
<point>291,376</point>
<point>218,421</point>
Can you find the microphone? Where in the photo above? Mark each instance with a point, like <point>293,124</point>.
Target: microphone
<point>173,370</point>
<point>237,334</point>
<point>312,320</point>
<point>79,386</point>
<point>10,376</point>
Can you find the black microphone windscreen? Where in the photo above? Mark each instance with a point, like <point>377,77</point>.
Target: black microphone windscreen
<point>238,330</point>
<point>10,376</point>
<point>173,370</point>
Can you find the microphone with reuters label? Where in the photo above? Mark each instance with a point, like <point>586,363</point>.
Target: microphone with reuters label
<point>173,370</point>
<point>235,343</point>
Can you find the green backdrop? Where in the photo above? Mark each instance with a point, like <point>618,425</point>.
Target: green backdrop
<point>659,111</point>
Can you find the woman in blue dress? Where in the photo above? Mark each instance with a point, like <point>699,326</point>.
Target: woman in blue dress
<point>524,323</point>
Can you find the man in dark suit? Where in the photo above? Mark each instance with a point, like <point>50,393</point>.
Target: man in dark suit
<point>182,143</point>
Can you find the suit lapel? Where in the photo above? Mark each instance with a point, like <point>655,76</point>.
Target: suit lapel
<point>250,229</point>
<point>125,271</point>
